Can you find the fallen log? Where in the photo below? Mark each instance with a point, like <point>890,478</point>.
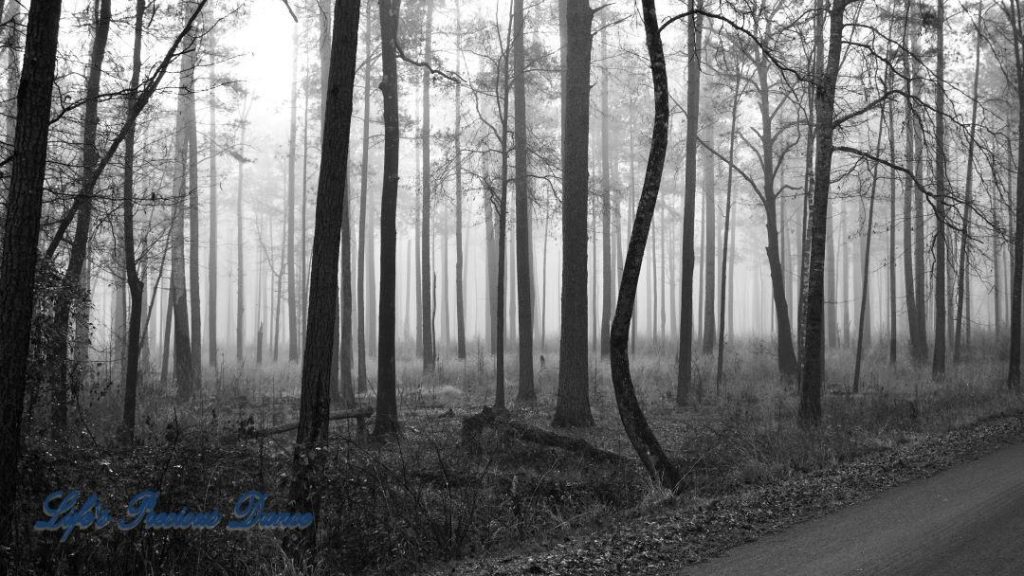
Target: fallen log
<point>501,422</point>
<point>358,414</point>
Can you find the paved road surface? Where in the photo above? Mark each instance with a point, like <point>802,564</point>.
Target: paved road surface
<point>968,520</point>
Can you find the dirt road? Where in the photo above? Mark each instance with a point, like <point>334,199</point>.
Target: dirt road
<point>968,520</point>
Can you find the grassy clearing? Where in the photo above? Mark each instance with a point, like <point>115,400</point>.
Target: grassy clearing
<point>399,507</point>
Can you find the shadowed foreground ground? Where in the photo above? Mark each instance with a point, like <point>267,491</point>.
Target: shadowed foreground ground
<point>967,520</point>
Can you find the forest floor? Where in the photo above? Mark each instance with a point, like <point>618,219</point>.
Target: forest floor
<point>427,504</point>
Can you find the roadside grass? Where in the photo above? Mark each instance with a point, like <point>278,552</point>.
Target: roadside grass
<point>397,507</point>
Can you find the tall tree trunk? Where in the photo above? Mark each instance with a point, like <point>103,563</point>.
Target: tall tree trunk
<point>606,201</point>
<point>727,277</point>
<point>865,269</point>
<point>426,302</point>
<point>573,404</point>
<point>240,276</point>
<point>892,238</point>
<point>685,373</point>
<point>939,358</point>
<point>69,374</point>
<point>347,391</point>
<point>386,421</point>
<point>908,194</point>
<point>19,249</point>
<point>709,244</point>
<point>523,270</point>
<point>363,191</point>
<point>211,317</point>
<point>460,305</point>
<point>289,244</point>
<point>963,281</point>
<point>191,60</point>
<point>919,263</point>
<point>135,284</point>
<point>1013,378</point>
<point>825,92</point>
<point>647,447</point>
<point>314,406</point>
<point>184,367</point>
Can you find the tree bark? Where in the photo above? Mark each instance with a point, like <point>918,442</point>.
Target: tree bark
<point>69,374</point>
<point>386,422</point>
<point>573,403</point>
<point>523,268</point>
<point>211,317</point>
<point>962,279</point>
<point>289,244</point>
<point>425,300</point>
<point>460,305</point>
<point>864,293</point>
<point>939,357</point>
<point>135,284</point>
<point>647,447</point>
<point>727,273</point>
<point>314,408</point>
<point>685,359</point>
<point>363,191</point>
<point>814,358</point>
<point>19,250</point>
<point>1013,378</point>
<point>709,245</point>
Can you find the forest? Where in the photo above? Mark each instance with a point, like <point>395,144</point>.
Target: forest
<point>494,286</point>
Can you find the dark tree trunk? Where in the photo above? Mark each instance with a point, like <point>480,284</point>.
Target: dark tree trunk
<point>963,281</point>
<point>893,344</point>
<point>523,273</point>
<point>726,276</point>
<point>685,359</point>
<point>908,194</point>
<point>606,201</point>
<point>460,305</point>
<point>865,296</point>
<point>573,404</point>
<point>425,276</point>
<point>825,92</point>
<point>1013,379</point>
<point>647,447</point>
<point>320,345</point>
<point>68,374</point>
<point>211,317</point>
<point>289,243</point>
<point>347,391</point>
<point>191,60</point>
<point>709,245</point>
<point>363,187</point>
<point>240,299</point>
<point>939,357</point>
<point>386,421</point>
<point>19,250</point>
<point>184,367</point>
<point>135,284</point>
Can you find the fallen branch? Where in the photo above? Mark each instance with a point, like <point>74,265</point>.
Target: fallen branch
<point>473,426</point>
<point>359,414</point>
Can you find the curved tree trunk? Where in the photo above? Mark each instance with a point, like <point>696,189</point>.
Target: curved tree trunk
<point>640,435</point>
